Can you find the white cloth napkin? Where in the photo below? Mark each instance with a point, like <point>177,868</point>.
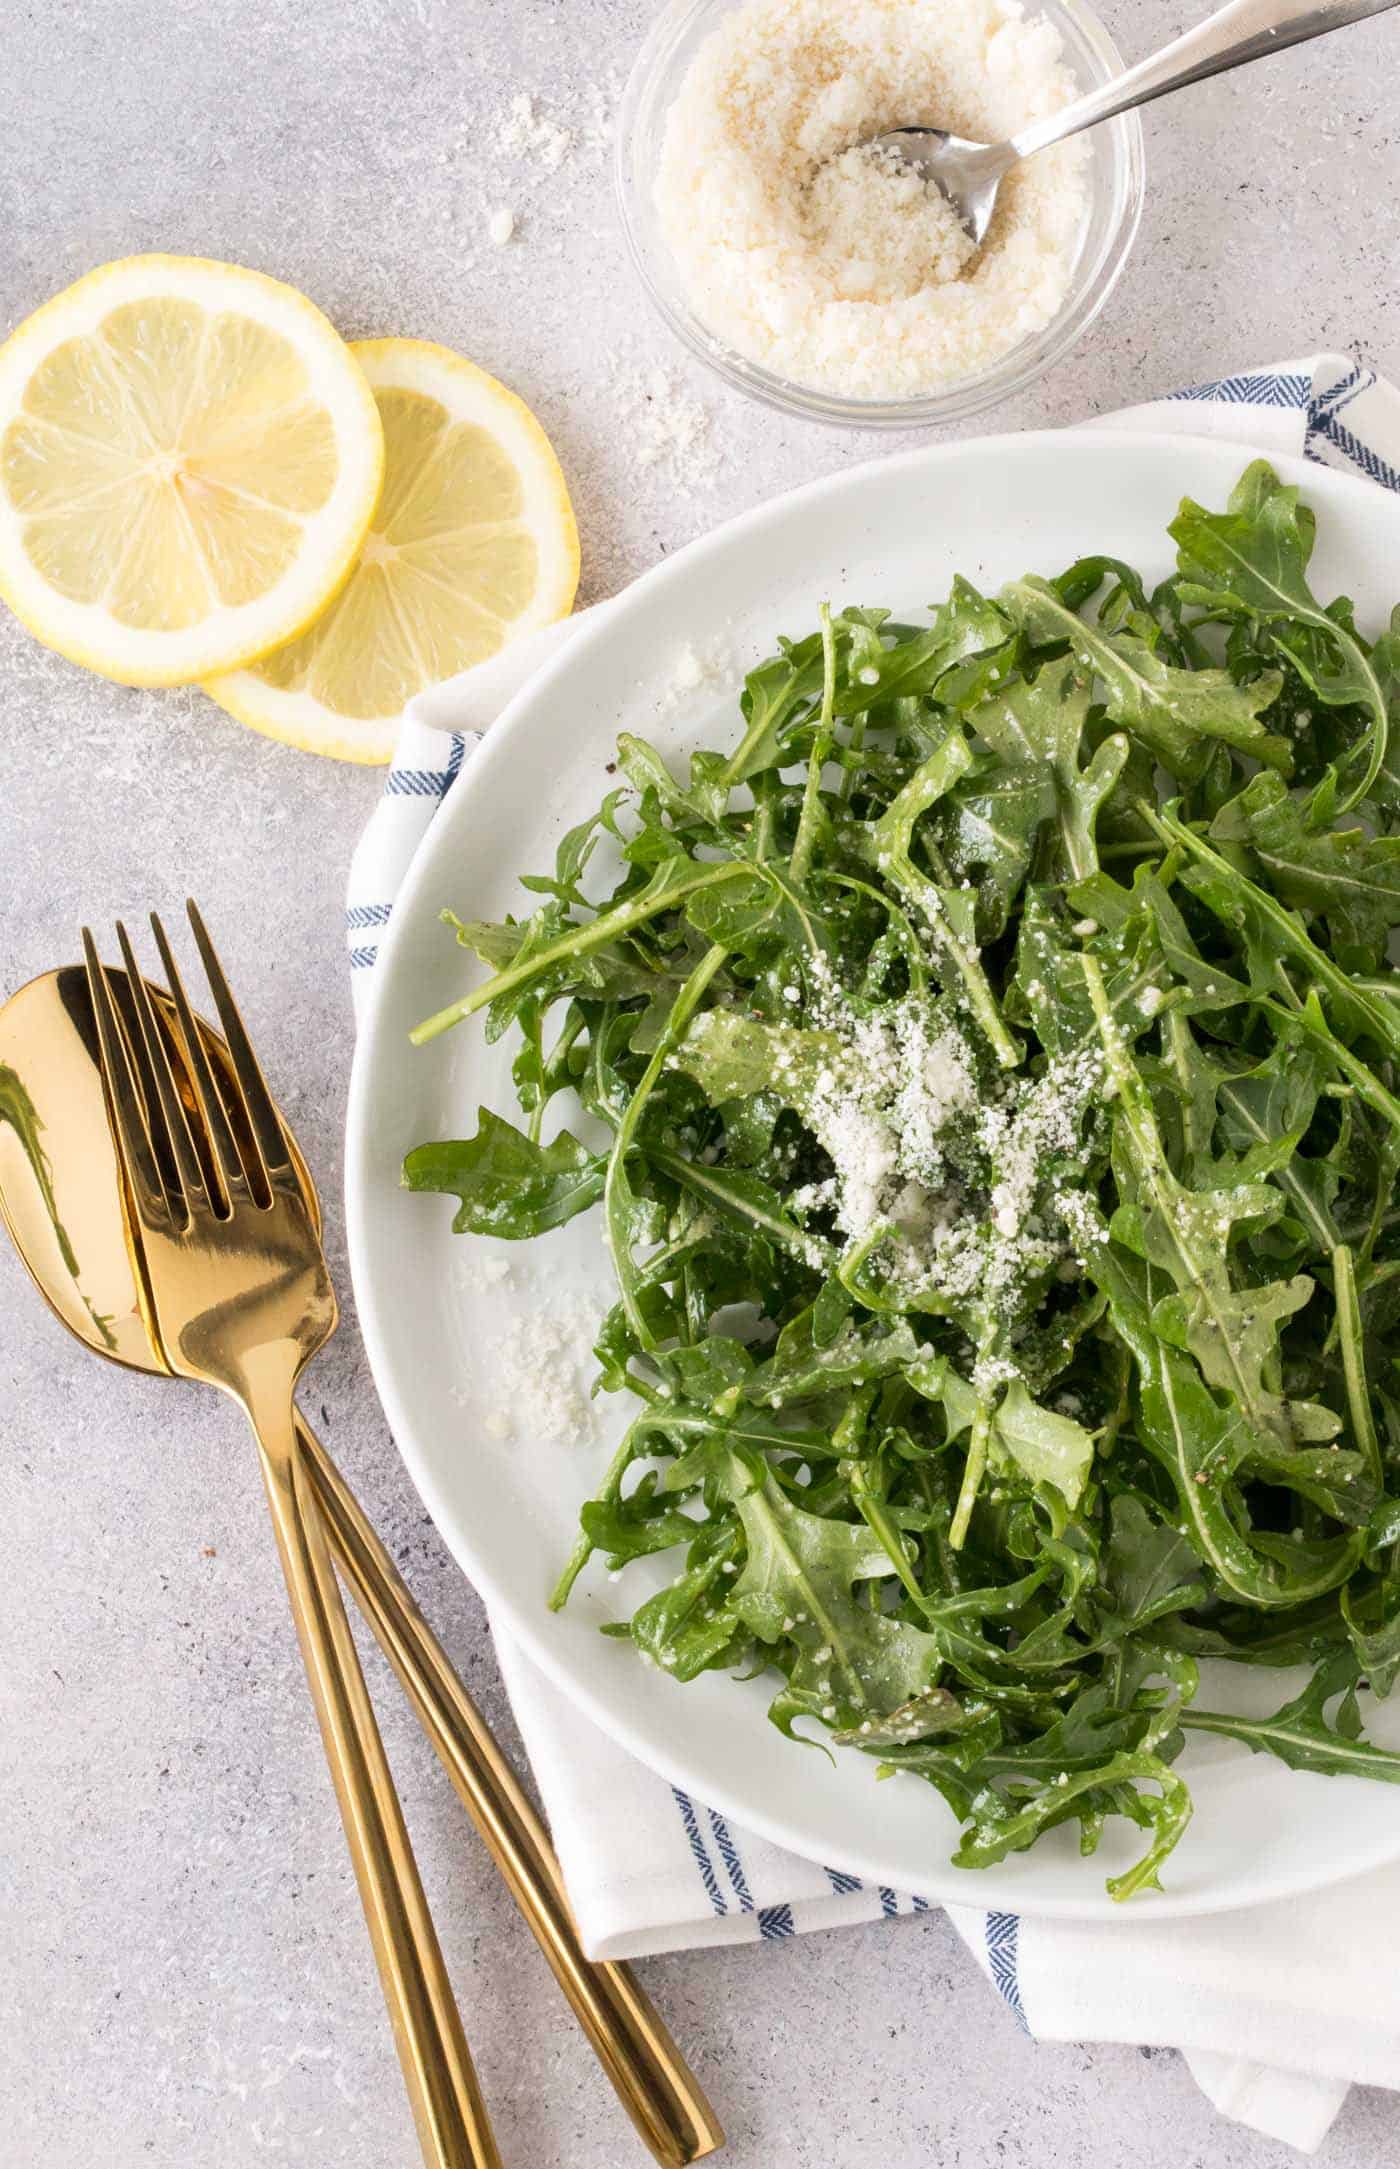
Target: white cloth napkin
<point>1277,2010</point>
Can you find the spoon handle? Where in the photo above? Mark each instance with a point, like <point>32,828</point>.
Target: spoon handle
<point>629,2038</point>
<point>1245,30</point>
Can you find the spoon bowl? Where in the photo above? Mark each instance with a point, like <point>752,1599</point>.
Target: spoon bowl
<point>60,1184</point>
<point>968,174</point>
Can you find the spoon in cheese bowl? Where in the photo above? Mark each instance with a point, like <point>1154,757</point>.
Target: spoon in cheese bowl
<point>969,174</point>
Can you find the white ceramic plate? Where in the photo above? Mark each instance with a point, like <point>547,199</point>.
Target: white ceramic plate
<point>893,533</point>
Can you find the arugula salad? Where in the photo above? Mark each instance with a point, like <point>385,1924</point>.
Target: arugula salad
<point>987,1070</point>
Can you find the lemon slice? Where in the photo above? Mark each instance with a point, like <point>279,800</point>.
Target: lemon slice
<point>188,462</point>
<point>473,541</point>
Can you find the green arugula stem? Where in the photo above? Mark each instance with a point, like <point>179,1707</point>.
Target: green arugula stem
<point>877,1519</point>
<point>1363,1425</point>
<point>855,746</point>
<point>609,926</point>
<point>973,1471</point>
<point>616,1195</point>
<point>810,816</point>
<point>609,1491</point>
<point>1386,1175</point>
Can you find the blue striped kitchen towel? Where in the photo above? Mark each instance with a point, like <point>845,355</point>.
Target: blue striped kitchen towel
<point>1275,2015</point>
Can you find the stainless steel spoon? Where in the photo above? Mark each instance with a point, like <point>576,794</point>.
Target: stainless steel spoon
<point>970,174</point>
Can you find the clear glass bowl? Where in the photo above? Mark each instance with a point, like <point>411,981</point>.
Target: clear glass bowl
<point>1114,188</point>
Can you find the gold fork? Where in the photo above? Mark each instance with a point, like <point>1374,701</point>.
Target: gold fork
<point>233,1268</point>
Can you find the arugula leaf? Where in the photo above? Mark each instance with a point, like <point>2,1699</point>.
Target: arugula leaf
<point>774,694</point>
<point>1043,719</point>
<point>797,1585</point>
<point>997,1827</point>
<point>508,1184</point>
<point>1252,561</point>
<point>1346,878</point>
<point>1300,1734</point>
<point>1149,1569</point>
<point>1232,1331</point>
<point>1046,1447</point>
<point>1174,712</point>
<point>892,845</point>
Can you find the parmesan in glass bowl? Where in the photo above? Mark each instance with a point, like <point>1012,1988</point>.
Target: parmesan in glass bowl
<point>835,286</point>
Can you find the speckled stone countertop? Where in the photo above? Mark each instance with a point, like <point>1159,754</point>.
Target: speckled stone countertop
<point>184,1974</point>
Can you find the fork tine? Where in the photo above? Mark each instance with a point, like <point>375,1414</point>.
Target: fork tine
<point>133,1141</point>
<point>151,1053</point>
<point>257,1100</point>
<point>208,1098</point>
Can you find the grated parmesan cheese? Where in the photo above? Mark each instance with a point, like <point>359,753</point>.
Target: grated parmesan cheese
<point>828,264</point>
<point>524,130</point>
<point>950,1176</point>
<point>696,675</point>
<point>666,428</point>
<point>540,1357</point>
<point>538,1369</point>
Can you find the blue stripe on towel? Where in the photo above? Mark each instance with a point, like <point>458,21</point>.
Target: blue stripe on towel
<point>1003,1929</point>
<point>775,1921</point>
<point>701,1857</point>
<point>361,915</point>
<point>1351,447</point>
<point>361,959</point>
<point>419,782</point>
<point>1265,388</point>
<point>729,1854</point>
<point>1340,394</point>
<point>428,782</point>
<point>841,1883</point>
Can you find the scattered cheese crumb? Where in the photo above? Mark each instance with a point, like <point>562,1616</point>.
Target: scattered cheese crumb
<point>541,1361</point>
<point>524,131</point>
<point>667,427</point>
<point>501,228</point>
<point>697,674</point>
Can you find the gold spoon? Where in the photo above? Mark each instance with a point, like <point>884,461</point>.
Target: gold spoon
<point>61,1199</point>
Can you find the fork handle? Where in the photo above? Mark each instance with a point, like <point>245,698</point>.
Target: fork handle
<point>453,2128</point>
<point>628,2035</point>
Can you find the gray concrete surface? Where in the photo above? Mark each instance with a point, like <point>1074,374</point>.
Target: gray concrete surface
<point>184,1976</point>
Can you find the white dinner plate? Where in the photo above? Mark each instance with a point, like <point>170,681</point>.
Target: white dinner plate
<point>445,1337</point>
